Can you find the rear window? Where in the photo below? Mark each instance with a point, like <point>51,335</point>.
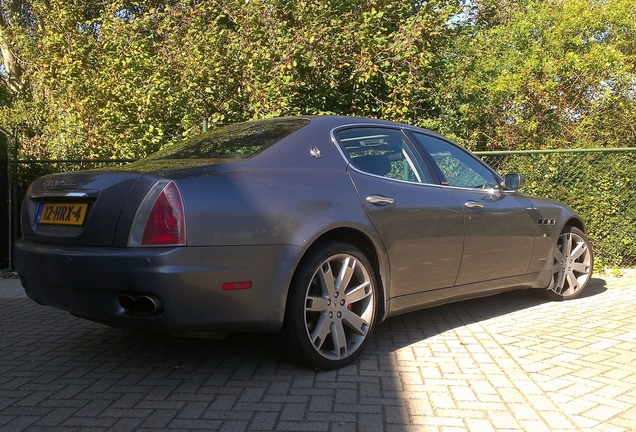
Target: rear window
<point>237,141</point>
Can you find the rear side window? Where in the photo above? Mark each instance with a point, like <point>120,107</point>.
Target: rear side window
<point>237,141</point>
<point>383,152</point>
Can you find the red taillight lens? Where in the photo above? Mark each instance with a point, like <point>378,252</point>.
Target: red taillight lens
<point>160,218</point>
<point>165,224</point>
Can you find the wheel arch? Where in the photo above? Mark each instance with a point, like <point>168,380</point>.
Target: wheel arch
<point>369,248</point>
<point>576,223</point>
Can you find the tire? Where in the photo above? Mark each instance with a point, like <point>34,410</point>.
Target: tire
<point>331,309</point>
<point>573,264</point>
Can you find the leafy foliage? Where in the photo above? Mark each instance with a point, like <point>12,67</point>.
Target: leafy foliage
<point>111,79</point>
<point>547,75</point>
<point>124,78</point>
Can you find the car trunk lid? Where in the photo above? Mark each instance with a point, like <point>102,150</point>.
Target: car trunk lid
<point>79,208</point>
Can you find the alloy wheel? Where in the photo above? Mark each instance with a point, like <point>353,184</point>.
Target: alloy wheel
<point>339,306</point>
<point>572,266</point>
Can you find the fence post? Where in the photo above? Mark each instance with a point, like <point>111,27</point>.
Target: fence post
<point>6,236</point>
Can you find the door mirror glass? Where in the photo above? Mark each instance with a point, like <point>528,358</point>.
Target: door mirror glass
<point>514,181</point>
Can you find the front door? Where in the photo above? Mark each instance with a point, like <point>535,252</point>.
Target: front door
<point>500,230</point>
<point>500,233</point>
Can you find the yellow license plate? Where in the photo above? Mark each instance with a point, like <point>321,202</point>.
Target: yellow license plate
<point>62,213</point>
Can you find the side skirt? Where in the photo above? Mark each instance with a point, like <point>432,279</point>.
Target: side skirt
<point>421,300</point>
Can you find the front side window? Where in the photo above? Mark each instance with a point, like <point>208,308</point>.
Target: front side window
<point>382,152</point>
<point>458,167</point>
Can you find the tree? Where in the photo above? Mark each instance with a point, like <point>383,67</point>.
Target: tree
<point>548,74</point>
<point>120,79</point>
<point>114,78</point>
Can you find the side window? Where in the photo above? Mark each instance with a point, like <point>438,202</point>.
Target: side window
<point>383,152</point>
<point>459,167</point>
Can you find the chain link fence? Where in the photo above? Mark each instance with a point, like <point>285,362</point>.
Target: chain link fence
<point>600,184</point>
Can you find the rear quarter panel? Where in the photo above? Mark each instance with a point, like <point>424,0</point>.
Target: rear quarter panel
<point>288,194</point>
<point>284,196</point>
<point>269,206</point>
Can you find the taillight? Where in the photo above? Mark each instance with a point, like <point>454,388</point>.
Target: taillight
<point>160,218</point>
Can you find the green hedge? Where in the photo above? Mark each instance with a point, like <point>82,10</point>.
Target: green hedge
<point>600,186</point>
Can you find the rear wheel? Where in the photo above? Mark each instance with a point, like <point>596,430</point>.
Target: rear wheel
<point>331,308</point>
<point>573,263</point>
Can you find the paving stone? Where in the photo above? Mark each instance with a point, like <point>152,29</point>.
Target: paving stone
<point>263,421</point>
<point>511,362</point>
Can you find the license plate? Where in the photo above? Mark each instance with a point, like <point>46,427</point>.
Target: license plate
<point>62,213</point>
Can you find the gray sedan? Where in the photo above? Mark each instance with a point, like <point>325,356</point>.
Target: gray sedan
<point>313,229</point>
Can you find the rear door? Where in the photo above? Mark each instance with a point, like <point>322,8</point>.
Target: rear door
<point>421,224</point>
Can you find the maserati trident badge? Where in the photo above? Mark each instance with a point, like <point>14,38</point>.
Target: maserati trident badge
<point>315,152</point>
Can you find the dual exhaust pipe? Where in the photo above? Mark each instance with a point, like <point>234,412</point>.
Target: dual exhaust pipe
<point>141,303</point>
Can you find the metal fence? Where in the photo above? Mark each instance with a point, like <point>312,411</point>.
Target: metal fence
<point>600,184</point>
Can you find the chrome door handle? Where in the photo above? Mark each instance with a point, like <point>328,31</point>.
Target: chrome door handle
<point>473,205</point>
<point>379,200</point>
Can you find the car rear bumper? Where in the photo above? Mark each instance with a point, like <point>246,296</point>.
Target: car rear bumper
<point>88,282</point>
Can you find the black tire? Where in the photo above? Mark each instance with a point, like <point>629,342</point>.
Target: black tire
<point>573,264</point>
<point>331,309</point>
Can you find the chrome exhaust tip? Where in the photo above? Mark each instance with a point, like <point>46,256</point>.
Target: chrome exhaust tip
<point>128,302</point>
<point>149,304</point>
<point>140,303</point>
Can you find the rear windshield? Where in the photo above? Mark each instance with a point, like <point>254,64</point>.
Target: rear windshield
<point>237,141</point>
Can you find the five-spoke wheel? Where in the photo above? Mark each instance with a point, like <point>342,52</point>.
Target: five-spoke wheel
<point>331,309</point>
<point>573,262</point>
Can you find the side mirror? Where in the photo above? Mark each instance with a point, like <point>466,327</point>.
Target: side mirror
<point>514,181</point>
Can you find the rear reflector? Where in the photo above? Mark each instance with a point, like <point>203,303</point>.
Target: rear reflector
<point>228,286</point>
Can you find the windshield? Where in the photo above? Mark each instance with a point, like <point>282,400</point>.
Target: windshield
<point>237,141</point>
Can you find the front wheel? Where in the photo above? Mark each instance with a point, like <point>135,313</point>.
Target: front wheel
<point>573,263</point>
<point>331,308</point>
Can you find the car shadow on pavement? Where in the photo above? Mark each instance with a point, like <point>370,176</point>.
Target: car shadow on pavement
<point>83,346</point>
<point>253,351</point>
<point>402,330</point>
<point>594,287</point>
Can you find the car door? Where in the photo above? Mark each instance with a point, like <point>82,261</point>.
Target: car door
<point>500,226</point>
<point>421,224</point>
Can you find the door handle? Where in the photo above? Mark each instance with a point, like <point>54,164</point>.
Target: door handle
<point>473,205</point>
<point>379,200</point>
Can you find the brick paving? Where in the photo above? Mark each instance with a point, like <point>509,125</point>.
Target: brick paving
<point>512,362</point>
